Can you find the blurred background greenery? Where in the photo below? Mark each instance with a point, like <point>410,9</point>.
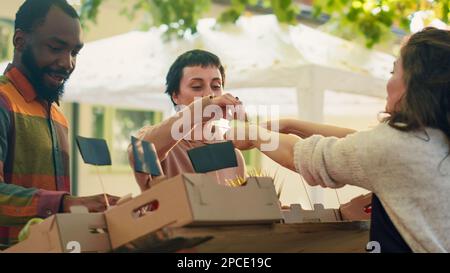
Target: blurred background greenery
<point>370,22</point>
<point>367,20</point>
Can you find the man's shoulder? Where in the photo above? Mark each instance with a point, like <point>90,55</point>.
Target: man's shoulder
<point>144,130</point>
<point>56,107</point>
<point>58,115</point>
<point>4,84</point>
<point>6,87</point>
<point>5,101</point>
<point>3,80</point>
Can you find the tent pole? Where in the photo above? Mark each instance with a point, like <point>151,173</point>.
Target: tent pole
<point>311,108</point>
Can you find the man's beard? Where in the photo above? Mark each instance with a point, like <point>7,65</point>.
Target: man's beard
<point>36,77</point>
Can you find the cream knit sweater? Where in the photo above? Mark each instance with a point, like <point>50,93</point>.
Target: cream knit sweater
<point>407,171</point>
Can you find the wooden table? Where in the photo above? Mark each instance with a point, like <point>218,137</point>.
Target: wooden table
<point>280,238</point>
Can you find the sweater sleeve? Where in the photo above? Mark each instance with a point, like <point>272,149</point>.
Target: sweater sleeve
<point>19,204</point>
<point>330,162</point>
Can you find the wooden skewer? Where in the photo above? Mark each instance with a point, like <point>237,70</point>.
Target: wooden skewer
<point>306,191</point>
<point>103,187</point>
<point>337,196</point>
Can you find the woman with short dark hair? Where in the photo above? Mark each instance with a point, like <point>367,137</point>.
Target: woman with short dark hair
<point>195,81</point>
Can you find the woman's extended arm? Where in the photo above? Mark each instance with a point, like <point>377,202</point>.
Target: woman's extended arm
<point>306,129</point>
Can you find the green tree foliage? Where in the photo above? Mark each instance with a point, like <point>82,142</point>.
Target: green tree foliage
<point>284,10</point>
<point>351,19</point>
<point>6,32</point>
<point>373,19</point>
<point>181,16</point>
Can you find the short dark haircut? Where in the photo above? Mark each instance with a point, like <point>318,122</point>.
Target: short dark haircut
<point>34,12</point>
<point>191,58</point>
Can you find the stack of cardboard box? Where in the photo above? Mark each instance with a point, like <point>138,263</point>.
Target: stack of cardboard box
<point>184,200</point>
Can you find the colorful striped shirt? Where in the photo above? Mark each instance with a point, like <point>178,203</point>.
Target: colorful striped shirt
<point>34,156</point>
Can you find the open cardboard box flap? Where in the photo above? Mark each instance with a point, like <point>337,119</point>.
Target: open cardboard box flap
<point>212,203</point>
<point>126,222</point>
<point>296,214</point>
<point>193,199</point>
<point>42,238</point>
<point>65,233</point>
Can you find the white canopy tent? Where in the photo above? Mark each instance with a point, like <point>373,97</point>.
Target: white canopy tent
<point>258,52</point>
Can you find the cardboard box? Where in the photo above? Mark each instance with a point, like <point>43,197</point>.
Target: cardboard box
<point>296,214</point>
<point>193,199</point>
<point>184,200</point>
<point>68,232</point>
<point>357,209</point>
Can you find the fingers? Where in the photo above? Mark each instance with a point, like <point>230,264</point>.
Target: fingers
<point>97,208</point>
<point>112,199</point>
<point>243,145</point>
<point>98,203</point>
<point>224,102</point>
<point>95,203</point>
<point>236,113</point>
<point>235,100</point>
<point>226,99</point>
